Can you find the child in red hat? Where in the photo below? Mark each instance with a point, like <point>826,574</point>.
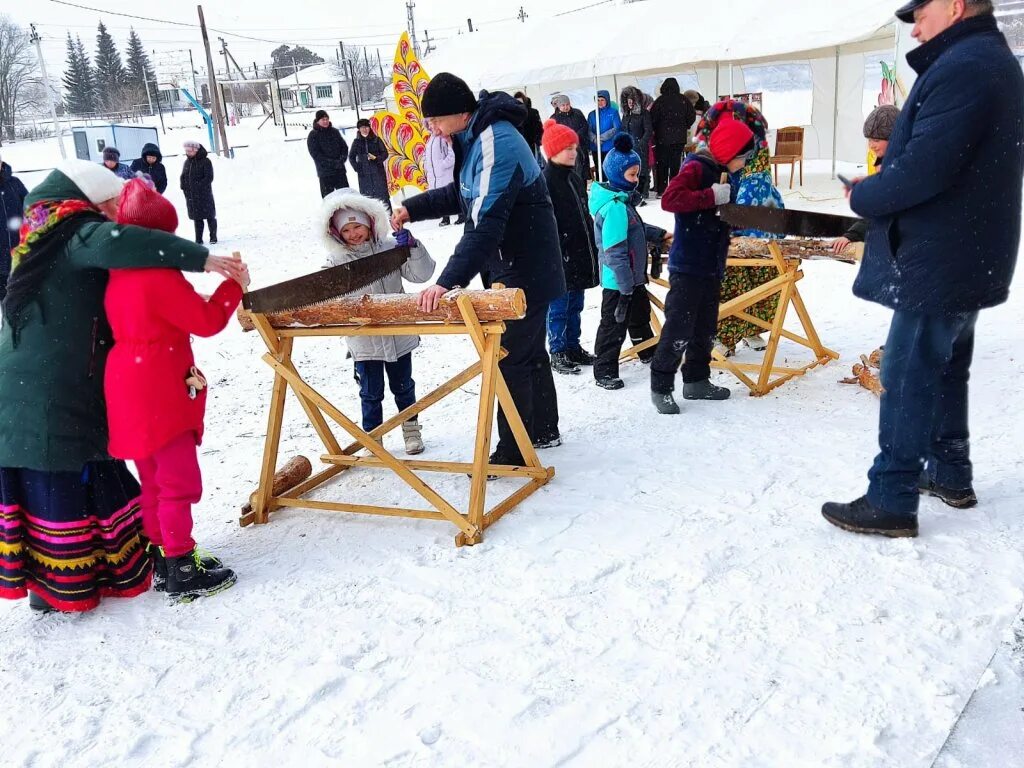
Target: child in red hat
<point>156,397</point>
<point>696,264</point>
<point>579,253</point>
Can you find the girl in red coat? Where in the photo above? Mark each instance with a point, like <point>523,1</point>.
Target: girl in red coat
<point>156,397</point>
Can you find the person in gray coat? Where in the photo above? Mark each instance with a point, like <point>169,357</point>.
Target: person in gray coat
<point>356,227</point>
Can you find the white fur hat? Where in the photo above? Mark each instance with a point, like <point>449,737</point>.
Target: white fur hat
<point>98,183</point>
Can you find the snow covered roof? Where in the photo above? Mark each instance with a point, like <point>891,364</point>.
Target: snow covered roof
<point>657,35</point>
<point>318,73</point>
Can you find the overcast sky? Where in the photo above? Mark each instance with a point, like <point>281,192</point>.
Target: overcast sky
<point>317,24</point>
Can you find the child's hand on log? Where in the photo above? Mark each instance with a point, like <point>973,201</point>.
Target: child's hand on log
<point>430,298</point>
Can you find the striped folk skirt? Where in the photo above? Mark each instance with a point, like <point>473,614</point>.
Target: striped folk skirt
<point>72,538</point>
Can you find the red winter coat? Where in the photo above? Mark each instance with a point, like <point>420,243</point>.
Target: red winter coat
<point>152,313</point>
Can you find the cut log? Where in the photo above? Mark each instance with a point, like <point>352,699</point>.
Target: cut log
<point>863,375</point>
<point>397,309</point>
<point>287,477</point>
<point>791,247</point>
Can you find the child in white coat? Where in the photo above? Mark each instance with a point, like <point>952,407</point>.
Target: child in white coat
<point>356,227</point>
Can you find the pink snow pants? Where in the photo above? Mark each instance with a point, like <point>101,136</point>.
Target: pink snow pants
<point>171,484</point>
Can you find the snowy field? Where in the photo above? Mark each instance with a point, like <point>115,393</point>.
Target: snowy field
<point>672,598</point>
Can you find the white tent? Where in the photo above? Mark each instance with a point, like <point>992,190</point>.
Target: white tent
<point>612,46</point>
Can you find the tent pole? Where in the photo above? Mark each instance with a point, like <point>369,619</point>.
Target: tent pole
<point>835,120</point>
<point>732,88</point>
<point>718,67</point>
<point>597,123</point>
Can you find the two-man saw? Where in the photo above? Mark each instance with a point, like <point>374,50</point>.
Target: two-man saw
<point>326,284</point>
<point>786,221</point>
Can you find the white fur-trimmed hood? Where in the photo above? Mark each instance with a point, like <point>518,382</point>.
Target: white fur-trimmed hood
<point>352,200</point>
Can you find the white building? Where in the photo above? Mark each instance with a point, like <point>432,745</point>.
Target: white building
<point>317,87</point>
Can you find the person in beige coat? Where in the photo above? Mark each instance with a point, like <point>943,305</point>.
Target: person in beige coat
<point>356,227</point>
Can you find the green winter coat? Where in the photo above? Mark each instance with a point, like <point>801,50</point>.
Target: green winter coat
<point>53,416</point>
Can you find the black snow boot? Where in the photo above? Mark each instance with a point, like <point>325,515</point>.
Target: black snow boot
<point>37,604</point>
<point>705,390</point>
<point>188,578</point>
<point>580,356</point>
<point>665,403</point>
<point>213,231</point>
<point>861,516</point>
<point>208,561</point>
<point>610,382</point>
<point>560,363</point>
<point>445,221</point>
<point>547,441</point>
<point>954,497</point>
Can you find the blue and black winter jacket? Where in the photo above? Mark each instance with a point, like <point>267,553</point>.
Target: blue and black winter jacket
<point>511,236</point>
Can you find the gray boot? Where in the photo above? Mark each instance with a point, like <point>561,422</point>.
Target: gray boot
<point>704,390</point>
<point>413,434</point>
<point>665,403</point>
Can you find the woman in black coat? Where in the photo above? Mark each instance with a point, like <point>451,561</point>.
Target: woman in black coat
<point>636,121</point>
<point>369,157</point>
<point>197,184</point>
<point>151,163</point>
<point>531,130</point>
<point>12,203</point>
<point>673,115</point>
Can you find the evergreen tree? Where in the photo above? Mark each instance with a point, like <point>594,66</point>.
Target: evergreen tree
<point>78,80</point>
<point>110,75</point>
<point>140,70</point>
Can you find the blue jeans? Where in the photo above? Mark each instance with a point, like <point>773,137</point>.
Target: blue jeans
<point>371,387</point>
<point>564,322</point>
<point>923,416</point>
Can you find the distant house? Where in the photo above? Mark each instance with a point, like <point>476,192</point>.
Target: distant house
<point>316,87</point>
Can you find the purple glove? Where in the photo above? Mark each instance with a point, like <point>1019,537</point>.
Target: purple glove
<point>405,239</point>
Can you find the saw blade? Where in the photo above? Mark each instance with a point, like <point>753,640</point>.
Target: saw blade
<point>786,221</point>
<point>325,285</point>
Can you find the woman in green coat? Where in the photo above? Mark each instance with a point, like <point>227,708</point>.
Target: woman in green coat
<point>69,514</point>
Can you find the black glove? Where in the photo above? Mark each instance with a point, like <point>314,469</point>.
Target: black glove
<point>622,308</point>
<point>655,261</point>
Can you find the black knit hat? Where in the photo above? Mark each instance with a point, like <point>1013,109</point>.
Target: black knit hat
<point>363,123</point>
<point>320,115</point>
<point>447,94</point>
<point>880,122</point>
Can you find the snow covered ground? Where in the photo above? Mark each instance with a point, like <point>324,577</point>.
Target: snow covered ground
<point>672,598</point>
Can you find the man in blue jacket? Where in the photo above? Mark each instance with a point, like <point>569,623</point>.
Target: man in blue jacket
<point>511,237</point>
<point>944,228</point>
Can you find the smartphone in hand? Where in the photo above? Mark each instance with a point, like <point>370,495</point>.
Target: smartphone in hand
<point>846,182</point>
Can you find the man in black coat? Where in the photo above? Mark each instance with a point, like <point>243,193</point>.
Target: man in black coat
<point>566,114</point>
<point>151,163</point>
<point>197,186</point>
<point>637,122</point>
<point>12,204</point>
<point>369,157</point>
<point>329,152</point>
<point>943,235</point>
<point>531,129</point>
<point>510,238</point>
<point>672,116</point>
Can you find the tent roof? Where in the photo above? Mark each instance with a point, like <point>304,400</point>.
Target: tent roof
<point>657,35</point>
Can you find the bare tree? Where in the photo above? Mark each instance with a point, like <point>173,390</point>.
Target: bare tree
<point>19,81</point>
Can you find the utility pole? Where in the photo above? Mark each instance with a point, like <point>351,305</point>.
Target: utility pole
<point>220,134</point>
<point>409,6</point>
<point>145,79</point>
<point>522,15</point>
<point>195,86</point>
<point>354,86</point>
<point>380,65</point>
<point>49,96</point>
<point>430,45</point>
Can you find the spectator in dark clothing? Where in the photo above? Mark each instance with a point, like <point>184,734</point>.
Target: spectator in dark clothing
<point>510,238</point>
<point>329,152</point>
<point>944,229</point>
<point>672,115</point>
<point>566,114</point>
<point>369,157</point>
<point>112,162</point>
<point>152,164</point>
<point>636,121</point>
<point>12,204</point>
<point>197,184</point>
<point>532,129</point>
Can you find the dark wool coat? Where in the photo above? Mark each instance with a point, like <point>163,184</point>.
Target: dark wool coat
<point>575,226</point>
<point>12,204</point>
<point>156,171</point>
<point>945,212</point>
<point>672,115</point>
<point>197,184</point>
<point>329,151</point>
<point>373,175</point>
<point>511,236</point>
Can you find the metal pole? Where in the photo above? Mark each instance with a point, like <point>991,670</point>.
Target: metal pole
<point>195,85</point>
<point>220,134</point>
<point>49,96</point>
<point>835,120</point>
<point>149,98</point>
<point>355,88</point>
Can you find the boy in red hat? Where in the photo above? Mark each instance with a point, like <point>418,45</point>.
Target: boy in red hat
<point>579,252</point>
<point>156,397</point>
<point>696,264</point>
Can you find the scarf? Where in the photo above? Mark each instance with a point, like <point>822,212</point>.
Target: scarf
<point>48,226</point>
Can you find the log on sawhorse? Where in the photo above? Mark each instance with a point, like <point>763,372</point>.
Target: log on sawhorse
<point>459,314</point>
<point>760,378</point>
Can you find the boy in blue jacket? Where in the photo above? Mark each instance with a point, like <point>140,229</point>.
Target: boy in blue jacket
<point>696,265</point>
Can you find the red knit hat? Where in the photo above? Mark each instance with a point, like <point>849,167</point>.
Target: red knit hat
<point>140,204</point>
<point>729,138</point>
<point>557,137</point>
